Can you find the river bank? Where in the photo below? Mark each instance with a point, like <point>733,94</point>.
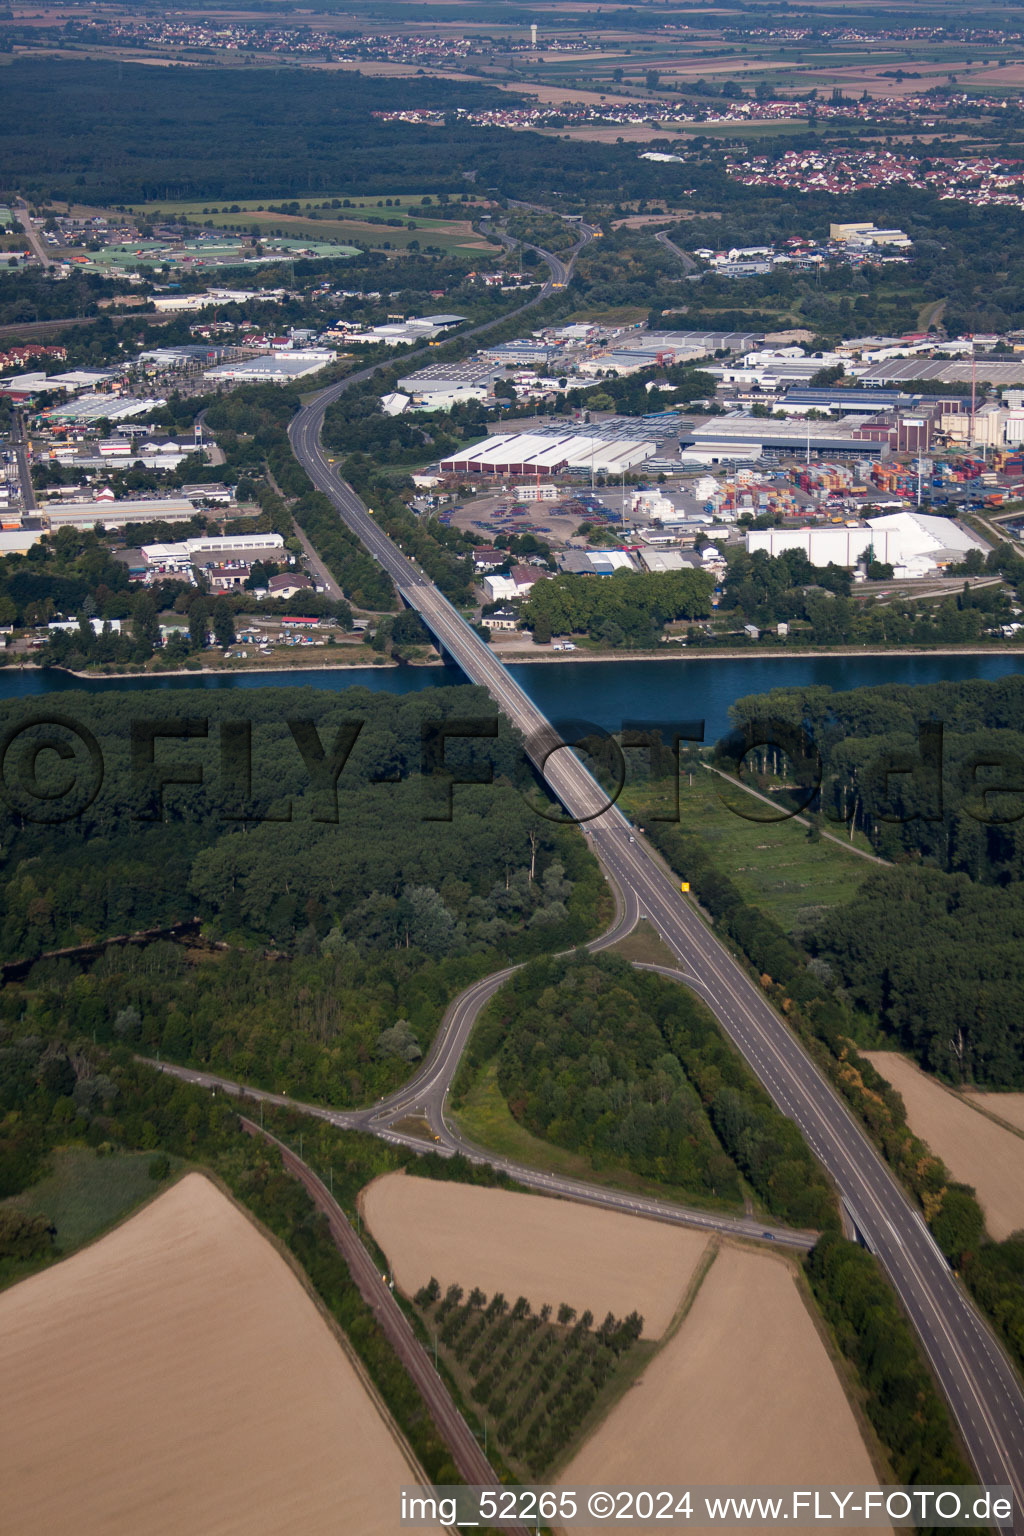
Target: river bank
<point>529,656</point>
<point>598,689</point>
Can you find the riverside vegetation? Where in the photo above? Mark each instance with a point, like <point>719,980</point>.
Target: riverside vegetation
<point>338,923</point>
<point>924,954</point>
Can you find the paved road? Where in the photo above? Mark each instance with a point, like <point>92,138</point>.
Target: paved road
<point>424,1098</point>
<point>321,575</point>
<point>689,265</point>
<point>979,1382</point>
<point>35,240</point>
<point>19,442</point>
<point>466,1452</point>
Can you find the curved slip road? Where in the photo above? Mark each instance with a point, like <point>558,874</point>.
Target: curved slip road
<point>663,239</point>
<point>971,1366</point>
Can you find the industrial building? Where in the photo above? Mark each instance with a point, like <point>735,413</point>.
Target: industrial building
<point>1004,371</point>
<point>868,235</point>
<point>773,368</point>
<point>660,562</point>
<point>277,368</point>
<point>114,514</point>
<point>212,549</point>
<point>911,542</point>
<point>740,436</point>
<point>537,455</point>
<point>851,402</point>
<point>88,409</point>
<point>700,343</point>
<point>400,333</point>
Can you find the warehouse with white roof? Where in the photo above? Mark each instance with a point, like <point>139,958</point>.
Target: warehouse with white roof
<point>539,454</point>
<point>913,543</point>
<point>275,368</point>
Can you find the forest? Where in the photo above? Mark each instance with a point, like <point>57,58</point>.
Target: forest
<point>61,1089</point>
<point>816,602</point>
<point>129,134</point>
<point>926,955</point>
<point>634,1072</point>
<point>804,989</point>
<point>271,827</point>
<point>933,776</point>
<point>132,134</point>
<point>631,608</point>
<point>307,827</point>
<point>933,772</point>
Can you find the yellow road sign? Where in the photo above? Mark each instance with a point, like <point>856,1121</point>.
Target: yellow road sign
<point>685,886</point>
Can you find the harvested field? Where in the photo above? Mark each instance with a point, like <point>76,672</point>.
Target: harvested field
<point>975,1150</point>
<point>745,1393</point>
<point>546,1250</point>
<point>176,1378</point>
<point>1008,1106</point>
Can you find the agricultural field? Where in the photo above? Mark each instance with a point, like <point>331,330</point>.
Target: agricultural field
<point>975,1150</point>
<point>744,1393</point>
<point>774,863</point>
<point>85,1193</point>
<point>178,1367</point>
<point>531,1298</point>
<point>1006,1106</point>
<point>550,1251</point>
<point>541,1377</point>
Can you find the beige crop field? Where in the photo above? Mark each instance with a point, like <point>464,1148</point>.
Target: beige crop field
<point>175,1379</point>
<point>975,1150</point>
<point>1008,1106</point>
<point>529,1245</point>
<point>745,1393</point>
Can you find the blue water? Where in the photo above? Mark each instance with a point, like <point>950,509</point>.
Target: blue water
<point>605,693</point>
<point>608,693</point>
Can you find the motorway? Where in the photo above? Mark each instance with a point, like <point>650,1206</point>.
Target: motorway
<point>975,1374</point>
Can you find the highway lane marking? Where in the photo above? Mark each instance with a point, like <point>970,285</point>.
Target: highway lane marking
<point>570,779</point>
<point>954,1353</point>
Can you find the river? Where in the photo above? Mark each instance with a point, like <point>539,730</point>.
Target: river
<point>602,693</point>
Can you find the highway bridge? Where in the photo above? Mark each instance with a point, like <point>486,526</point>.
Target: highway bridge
<point>981,1386</point>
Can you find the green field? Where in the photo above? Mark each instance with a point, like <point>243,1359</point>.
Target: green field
<point>204,254</point>
<point>85,1193</point>
<point>775,864</point>
<point>407,203</point>
<point>485,1118</point>
<point>361,224</point>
